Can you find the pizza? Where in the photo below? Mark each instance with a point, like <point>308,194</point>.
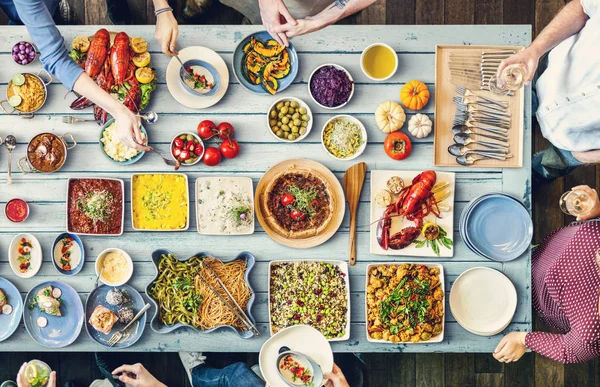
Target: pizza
<point>298,204</point>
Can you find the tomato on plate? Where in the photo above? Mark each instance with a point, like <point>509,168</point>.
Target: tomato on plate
<point>230,148</point>
<point>225,131</point>
<point>206,129</point>
<point>397,145</point>
<point>297,215</point>
<point>287,199</point>
<point>212,156</point>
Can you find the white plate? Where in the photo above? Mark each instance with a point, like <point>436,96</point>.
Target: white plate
<point>436,339</point>
<point>36,255</point>
<point>300,338</point>
<point>180,93</point>
<point>343,265</point>
<point>244,182</point>
<point>187,190</point>
<point>379,180</point>
<point>483,300</point>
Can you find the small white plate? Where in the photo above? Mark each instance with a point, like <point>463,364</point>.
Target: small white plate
<point>177,89</point>
<point>36,255</point>
<point>299,338</point>
<point>483,301</point>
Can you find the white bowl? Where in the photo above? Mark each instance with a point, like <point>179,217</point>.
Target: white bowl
<point>339,68</point>
<point>363,131</point>
<point>301,104</point>
<point>197,138</point>
<point>362,56</point>
<point>129,266</point>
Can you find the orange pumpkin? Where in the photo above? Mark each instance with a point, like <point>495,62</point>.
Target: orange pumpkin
<point>414,95</point>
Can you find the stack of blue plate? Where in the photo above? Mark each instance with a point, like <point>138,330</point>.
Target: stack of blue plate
<point>496,226</point>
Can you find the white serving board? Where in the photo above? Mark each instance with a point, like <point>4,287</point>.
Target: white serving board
<point>379,180</point>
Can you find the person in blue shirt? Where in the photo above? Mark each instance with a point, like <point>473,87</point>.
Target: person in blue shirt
<point>36,15</point>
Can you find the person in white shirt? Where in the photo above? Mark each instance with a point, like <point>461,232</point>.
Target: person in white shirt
<point>568,90</point>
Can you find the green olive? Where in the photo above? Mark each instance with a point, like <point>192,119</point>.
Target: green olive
<point>297,122</point>
<point>287,103</point>
<point>305,117</point>
<point>279,133</point>
<point>273,113</point>
<point>279,123</point>
<point>196,141</point>
<point>275,128</point>
<point>183,137</point>
<point>291,137</point>
<point>302,131</point>
<point>280,115</point>
<point>304,124</point>
<point>189,161</point>
<point>291,110</point>
<point>294,129</point>
<point>190,137</point>
<point>272,122</point>
<point>285,128</point>
<point>302,110</point>
<point>285,120</point>
<point>284,110</point>
<point>294,104</point>
<point>296,115</point>
<point>279,105</point>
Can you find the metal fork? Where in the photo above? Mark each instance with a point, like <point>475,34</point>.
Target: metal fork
<point>172,163</point>
<point>74,120</point>
<point>114,339</point>
<point>461,99</point>
<point>468,93</point>
<point>186,75</point>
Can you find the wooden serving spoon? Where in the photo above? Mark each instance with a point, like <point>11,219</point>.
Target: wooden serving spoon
<point>354,179</point>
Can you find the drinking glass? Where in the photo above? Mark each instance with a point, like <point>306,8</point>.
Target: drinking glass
<point>513,78</point>
<point>37,373</point>
<point>575,203</point>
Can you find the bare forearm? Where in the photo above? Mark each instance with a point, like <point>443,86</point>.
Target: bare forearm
<point>85,86</point>
<point>158,4</point>
<point>569,21</point>
<point>333,13</point>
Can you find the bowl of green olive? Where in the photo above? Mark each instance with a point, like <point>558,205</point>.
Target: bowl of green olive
<point>289,119</point>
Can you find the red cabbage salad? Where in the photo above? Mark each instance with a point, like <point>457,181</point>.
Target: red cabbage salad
<point>330,86</point>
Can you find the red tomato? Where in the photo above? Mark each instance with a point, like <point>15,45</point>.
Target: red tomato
<point>230,148</point>
<point>184,155</point>
<point>212,156</point>
<point>297,215</point>
<point>207,129</point>
<point>397,145</point>
<point>178,143</point>
<point>198,149</point>
<point>225,130</point>
<point>287,199</point>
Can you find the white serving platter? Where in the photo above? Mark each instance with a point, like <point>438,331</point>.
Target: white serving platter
<point>36,255</point>
<point>436,339</point>
<point>379,180</point>
<point>343,265</point>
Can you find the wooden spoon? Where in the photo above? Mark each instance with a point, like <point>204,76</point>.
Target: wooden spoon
<point>353,183</point>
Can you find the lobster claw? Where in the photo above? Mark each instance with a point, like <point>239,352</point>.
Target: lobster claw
<point>404,238</point>
<point>81,103</point>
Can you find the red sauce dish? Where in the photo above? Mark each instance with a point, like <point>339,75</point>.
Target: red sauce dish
<point>16,210</point>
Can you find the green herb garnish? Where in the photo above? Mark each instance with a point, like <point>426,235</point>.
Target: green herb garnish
<point>97,205</point>
<point>441,240</point>
<point>304,199</point>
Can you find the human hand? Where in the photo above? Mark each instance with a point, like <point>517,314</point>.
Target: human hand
<point>22,381</point>
<point>529,57</point>
<point>511,347</point>
<point>273,14</point>
<point>166,32</point>
<point>137,376</point>
<point>336,378</point>
<point>593,195</point>
<point>128,129</point>
<point>301,27</point>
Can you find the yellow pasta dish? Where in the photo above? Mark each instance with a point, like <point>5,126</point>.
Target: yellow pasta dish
<point>160,202</point>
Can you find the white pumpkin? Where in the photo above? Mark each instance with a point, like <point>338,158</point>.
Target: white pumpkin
<point>420,125</point>
<point>389,116</point>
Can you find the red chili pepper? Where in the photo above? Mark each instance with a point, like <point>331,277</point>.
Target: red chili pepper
<point>413,297</point>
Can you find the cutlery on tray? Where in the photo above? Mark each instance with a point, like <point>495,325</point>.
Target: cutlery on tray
<point>354,179</point>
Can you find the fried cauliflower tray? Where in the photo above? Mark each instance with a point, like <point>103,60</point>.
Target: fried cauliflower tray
<point>405,303</point>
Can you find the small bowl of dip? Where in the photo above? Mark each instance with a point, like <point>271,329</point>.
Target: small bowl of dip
<point>118,267</point>
<point>16,210</point>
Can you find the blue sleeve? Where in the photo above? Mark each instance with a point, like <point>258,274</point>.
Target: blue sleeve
<point>54,55</point>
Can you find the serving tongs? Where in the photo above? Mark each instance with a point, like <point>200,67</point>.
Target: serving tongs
<point>238,311</point>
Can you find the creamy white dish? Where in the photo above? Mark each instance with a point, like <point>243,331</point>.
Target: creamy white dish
<point>225,206</point>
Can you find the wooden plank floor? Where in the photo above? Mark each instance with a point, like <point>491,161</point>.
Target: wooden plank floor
<point>382,369</point>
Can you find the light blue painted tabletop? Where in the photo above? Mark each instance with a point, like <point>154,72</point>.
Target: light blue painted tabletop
<point>415,46</point>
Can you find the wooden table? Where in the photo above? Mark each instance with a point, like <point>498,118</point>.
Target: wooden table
<point>415,46</point>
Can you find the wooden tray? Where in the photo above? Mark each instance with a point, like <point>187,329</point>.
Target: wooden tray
<point>338,199</point>
<point>445,110</point>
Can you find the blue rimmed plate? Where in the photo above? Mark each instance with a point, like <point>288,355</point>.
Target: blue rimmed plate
<point>130,161</point>
<point>60,331</point>
<point>134,301</point>
<point>57,254</point>
<point>157,326</point>
<point>238,58</point>
<point>498,227</point>
<point>10,322</point>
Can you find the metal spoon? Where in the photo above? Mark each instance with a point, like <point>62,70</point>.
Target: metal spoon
<point>10,143</point>
<point>465,139</point>
<point>463,129</point>
<point>167,161</point>
<point>471,157</point>
<point>460,150</point>
<point>151,117</point>
<point>99,274</point>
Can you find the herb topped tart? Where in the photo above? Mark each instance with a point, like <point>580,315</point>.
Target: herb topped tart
<point>298,204</point>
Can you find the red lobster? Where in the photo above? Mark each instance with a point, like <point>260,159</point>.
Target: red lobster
<point>414,203</point>
<point>110,69</point>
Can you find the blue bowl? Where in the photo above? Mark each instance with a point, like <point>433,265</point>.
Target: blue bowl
<point>77,240</point>
<point>238,58</point>
<point>10,322</point>
<point>60,331</point>
<point>211,69</point>
<point>136,302</point>
<point>157,326</point>
<point>130,161</point>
